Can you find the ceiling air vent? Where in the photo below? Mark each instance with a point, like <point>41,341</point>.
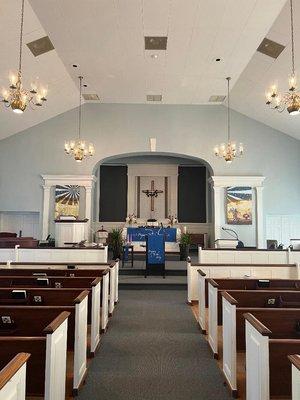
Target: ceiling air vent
<point>90,97</point>
<point>154,97</point>
<point>40,46</point>
<point>270,48</point>
<point>217,99</point>
<point>156,42</point>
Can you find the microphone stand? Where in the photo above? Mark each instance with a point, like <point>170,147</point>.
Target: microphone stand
<point>229,232</point>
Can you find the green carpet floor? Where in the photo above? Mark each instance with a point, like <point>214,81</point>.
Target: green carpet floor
<point>153,351</point>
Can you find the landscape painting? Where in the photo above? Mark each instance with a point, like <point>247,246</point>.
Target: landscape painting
<point>67,200</point>
<point>239,205</point>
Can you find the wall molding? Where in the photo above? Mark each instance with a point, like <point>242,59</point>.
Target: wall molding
<point>86,181</point>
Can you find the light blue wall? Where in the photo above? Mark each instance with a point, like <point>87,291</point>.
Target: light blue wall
<point>122,129</point>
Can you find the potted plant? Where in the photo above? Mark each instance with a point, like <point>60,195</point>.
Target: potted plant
<point>184,245</point>
<point>116,242</point>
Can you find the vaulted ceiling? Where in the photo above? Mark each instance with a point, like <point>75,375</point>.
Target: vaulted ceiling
<point>105,38</point>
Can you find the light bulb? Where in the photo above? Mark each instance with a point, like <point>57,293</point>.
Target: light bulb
<point>33,88</point>
<point>44,91</point>
<point>5,94</point>
<point>274,91</point>
<point>292,82</point>
<point>13,78</point>
<point>216,150</point>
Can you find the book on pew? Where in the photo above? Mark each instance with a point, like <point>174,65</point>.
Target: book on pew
<point>19,294</point>
<point>42,281</point>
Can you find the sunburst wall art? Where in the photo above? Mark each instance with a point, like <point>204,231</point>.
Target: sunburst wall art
<point>239,205</point>
<point>67,200</point>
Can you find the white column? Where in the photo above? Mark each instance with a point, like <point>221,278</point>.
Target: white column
<point>218,204</point>
<point>46,206</point>
<point>88,209</point>
<point>173,195</point>
<point>259,218</point>
<point>131,195</point>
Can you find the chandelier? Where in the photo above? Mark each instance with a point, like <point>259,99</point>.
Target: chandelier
<point>289,100</point>
<point>16,96</point>
<point>79,148</point>
<point>230,150</point>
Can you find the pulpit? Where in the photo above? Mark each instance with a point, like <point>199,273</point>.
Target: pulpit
<point>70,231</point>
<point>226,243</point>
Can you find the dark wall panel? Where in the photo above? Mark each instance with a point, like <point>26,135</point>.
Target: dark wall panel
<point>113,193</point>
<point>191,194</point>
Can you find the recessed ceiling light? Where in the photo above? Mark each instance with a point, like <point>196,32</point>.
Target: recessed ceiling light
<point>154,56</point>
<point>40,46</point>
<point>75,65</point>
<point>218,59</point>
<point>85,85</point>
<point>270,48</point>
<point>154,97</point>
<point>156,42</point>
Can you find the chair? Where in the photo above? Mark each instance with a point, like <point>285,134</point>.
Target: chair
<point>155,254</point>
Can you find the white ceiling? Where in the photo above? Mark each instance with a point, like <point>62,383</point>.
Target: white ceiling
<point>248,95</point>
<point>106,39</point>
<point>48,68</point>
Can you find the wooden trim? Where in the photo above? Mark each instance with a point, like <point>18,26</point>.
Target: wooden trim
<point>295,360</point>
<point>95,281</point>
<point>56,322</point>
<point>12,367</point>
<point>241,265</point>
<point>138,196</point>
<point>201,272</point>
<point>70,221</point>
<point>166,196</point>
<point>261,328</point>
<point>212,282</point>
<point>228,297</point>
<point>81,296</point>
<point>48,264</point>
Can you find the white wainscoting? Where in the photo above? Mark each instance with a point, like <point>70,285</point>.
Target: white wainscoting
<point>257,364</point>
<point>63,255</point>
<point>285,271</point>
<point>27,222</point>
<point>295,381</point>
<point>283,228</point>
<point>15,388</point>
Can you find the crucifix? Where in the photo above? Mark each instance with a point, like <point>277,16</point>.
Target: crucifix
<point>152,193</point>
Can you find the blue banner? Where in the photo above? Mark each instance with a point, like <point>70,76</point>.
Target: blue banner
<point>139,234</point>
<point>155,249</point>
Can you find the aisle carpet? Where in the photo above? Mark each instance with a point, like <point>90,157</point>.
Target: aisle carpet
<point>153,351</point>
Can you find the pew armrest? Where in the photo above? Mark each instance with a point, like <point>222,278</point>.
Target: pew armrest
<point>12,367</point>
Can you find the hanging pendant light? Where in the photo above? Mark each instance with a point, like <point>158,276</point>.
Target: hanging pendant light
<point>79,148</point>
<point>291,99</point>
<point>230,150</point>
<point>16,96</point>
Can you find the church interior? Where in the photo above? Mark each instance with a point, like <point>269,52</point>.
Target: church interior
<point>149,199</point>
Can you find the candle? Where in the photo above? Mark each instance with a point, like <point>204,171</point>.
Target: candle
<point>184,229</point>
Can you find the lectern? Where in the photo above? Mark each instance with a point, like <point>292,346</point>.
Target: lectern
<point>70,231</point>
<point>226,243</point>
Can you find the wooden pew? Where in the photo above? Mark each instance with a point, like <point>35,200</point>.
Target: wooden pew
<point>235,304</point>
<point>215,288</point>
<point>54,297</point>
<point>295,360</point>
<point>233,283</point>
<point>57,282</point>
<point>13,378</point>
<point>270,338</point>
<point>113,273</point>
<point>77,330</point>
<point>231,270</point>
<point>43,335</point>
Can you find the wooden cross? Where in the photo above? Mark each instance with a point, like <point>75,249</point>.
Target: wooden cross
<point>152,193</point>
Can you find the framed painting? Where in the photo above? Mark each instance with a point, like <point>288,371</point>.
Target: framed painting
<point>239,205</point>
<point>67,200</point>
